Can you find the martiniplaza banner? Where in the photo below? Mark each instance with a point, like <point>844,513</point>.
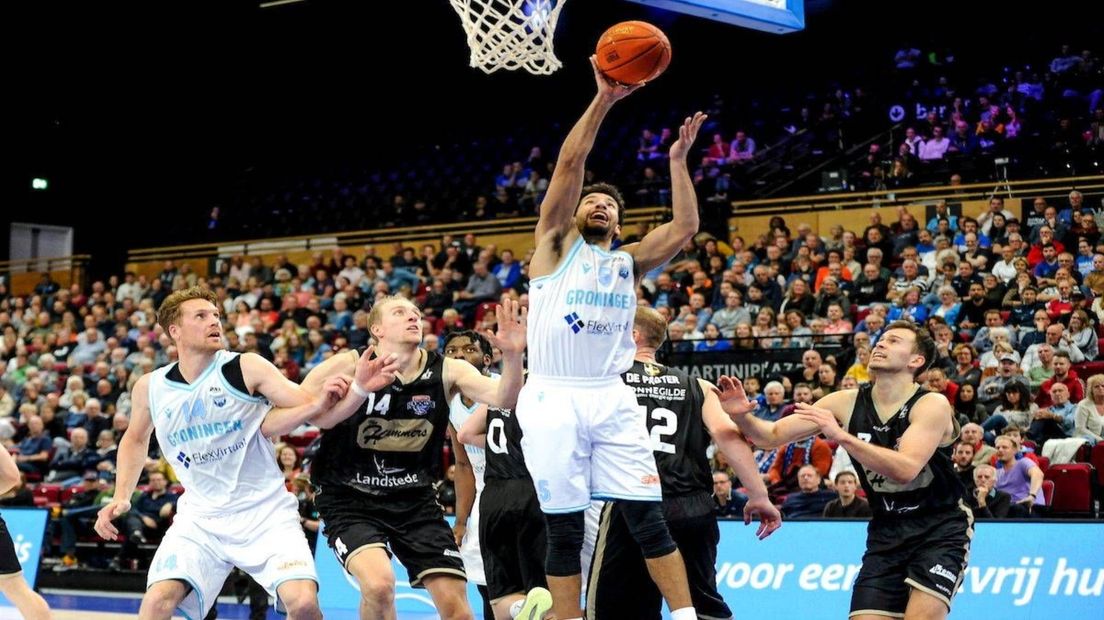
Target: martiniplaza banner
<point>27,527</point>
<point>710,365</point>
<point>1017,571</point>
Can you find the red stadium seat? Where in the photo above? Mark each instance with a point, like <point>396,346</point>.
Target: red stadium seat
<point>1044,464</point>
<point>1098,462</point>
<point>1048,492</point>
<point>51,493</point>
<point>1004,316</point>
<point>1072,488</point>
<point>482,309</point>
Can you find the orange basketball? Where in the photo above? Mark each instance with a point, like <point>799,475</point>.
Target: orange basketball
<point>633,52</point>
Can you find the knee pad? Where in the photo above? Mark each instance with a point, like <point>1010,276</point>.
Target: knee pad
<point>647,526</point>
<point>565,543</point>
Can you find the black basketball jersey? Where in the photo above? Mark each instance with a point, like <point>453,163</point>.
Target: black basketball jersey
<point>673,402</point>
<point>936,487</point>
<point>393,442</point>
<point>504,458</point>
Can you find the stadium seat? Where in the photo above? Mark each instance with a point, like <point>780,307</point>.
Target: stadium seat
<point>1048,492</point>
<point>1084,454</point>
<point>1072,488</point>
<point>51,493</point>
<point>1044,464</point>
<point>1098,463</point>
<point>482,309</point>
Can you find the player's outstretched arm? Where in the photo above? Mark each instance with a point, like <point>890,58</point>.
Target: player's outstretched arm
<point>763,434</point>
<point>558,208</point>
<point>293,405</point>
<point>131,457</point>
<point>473,432</point>
<point>658,246</point>
<point>731,443</point>
<point>465,487</point>
<point>930,420</point>
<point>364,375</point>
<point>510,339</point>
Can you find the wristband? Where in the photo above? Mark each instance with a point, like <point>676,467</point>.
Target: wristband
<point>359,391</point>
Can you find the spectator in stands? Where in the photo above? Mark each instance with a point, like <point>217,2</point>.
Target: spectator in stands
<point>774,405</point>
<point>717,153</point>
<point>34,449</point>
<point>783,474</point>
<point>963,459</point>
<point>508,272</point>
<point>1064,374</point>
<point>1019,478</point>
<point>937,382</point>
<point>808,499</point>
<point>1080,334</point>
<point>72,460</point>
<point>77,515</point>
<point>870,286</point>
<point>966,368</point>
<point>963,141</point>
<point>149,516</point>
<point>991,389</point>
<point>983,498</point>
<point>1015,409</point>
<point>727,502</point>
<point>1056,420</point>
<point>482,287</point>
<point>1089,416</point>
<point>847,504</point>
<point>713,340</point>
<point>290,463</point>
<point>798,297</point>
<point>974,435</point>
<point>732,314</point>
<point>742,150</point>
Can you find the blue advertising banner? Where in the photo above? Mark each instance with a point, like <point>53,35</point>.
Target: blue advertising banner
<point>1017,571</point>
<point>27,527</point>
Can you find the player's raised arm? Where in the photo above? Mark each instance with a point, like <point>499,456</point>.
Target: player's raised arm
<point>558,208</point>
<point>658,246</point>
<point>763,434</point>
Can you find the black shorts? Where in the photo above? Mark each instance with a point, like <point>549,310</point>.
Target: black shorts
<point>926,552</point>
<point>409,524</point>
<point>9,562</point>
<point>619,585</point>
<point>512,537</point>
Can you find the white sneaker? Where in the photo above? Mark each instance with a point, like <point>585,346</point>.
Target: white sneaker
<point>537,603</point>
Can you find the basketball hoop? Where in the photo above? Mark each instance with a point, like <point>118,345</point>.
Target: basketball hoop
<point>511,34</point>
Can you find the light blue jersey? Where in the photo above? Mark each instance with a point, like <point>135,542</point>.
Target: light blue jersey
<point>581,315</point>
<point>210,433</point>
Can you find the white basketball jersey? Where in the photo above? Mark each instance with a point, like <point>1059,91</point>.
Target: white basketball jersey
<point>458,414</point>
<point>581,315</point>
<point>210,433</point>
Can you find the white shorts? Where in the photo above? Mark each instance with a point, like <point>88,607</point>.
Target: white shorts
<point>469,548</point>
<point>266,542</point>
<point>585,439</point>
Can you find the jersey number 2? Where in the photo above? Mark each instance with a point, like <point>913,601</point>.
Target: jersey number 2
<point>668,423</point>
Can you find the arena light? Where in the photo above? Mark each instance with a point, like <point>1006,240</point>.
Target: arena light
<point>40,184</point>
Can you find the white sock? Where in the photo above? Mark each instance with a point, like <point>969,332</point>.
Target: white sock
<point>686,613</point>
<point>515,609</point>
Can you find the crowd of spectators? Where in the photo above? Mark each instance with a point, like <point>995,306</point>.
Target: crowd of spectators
<point>1013,300</point>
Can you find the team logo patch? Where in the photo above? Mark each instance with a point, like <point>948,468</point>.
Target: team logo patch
<point>420,405</point>
<point>427,375</point>
<point>652,370</point>
<point>586,268</point>
<point>605,275</point>
<point>624,272</point>
<point>574,321</point>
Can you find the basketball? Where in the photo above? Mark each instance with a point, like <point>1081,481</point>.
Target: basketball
<point>633,52</point>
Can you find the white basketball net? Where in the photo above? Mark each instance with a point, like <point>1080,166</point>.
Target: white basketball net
<point>511,34</point>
